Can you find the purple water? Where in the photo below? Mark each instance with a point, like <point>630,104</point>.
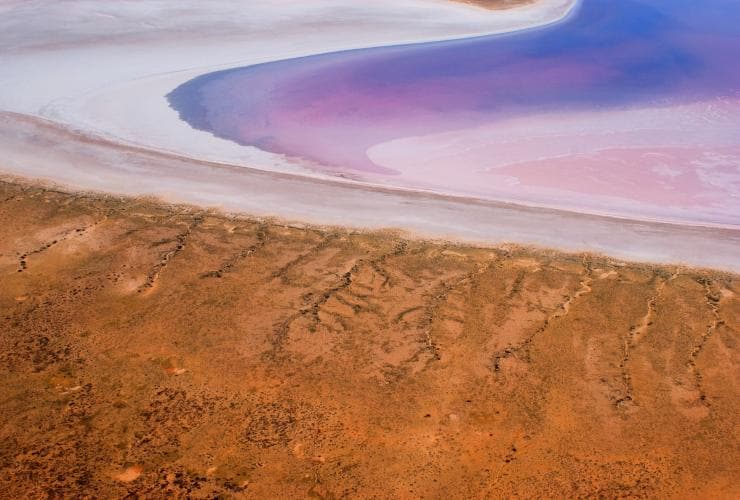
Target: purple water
<point>607,56</point>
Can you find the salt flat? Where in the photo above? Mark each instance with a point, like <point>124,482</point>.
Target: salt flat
<point>105,68</point>
<point>82,88</point>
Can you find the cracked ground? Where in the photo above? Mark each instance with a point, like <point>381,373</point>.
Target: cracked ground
<point>155,350</point>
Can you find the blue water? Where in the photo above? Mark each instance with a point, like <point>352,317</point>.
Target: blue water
<point>608,53</point>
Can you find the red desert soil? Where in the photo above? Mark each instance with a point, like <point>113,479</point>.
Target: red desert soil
<point>156,350</point>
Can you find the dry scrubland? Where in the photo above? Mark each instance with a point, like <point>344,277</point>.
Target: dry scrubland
<point>157,350</point>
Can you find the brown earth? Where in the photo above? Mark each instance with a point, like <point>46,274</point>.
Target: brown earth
<point>159,350</point>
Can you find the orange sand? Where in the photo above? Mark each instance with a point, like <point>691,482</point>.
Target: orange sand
<point>159,350</point>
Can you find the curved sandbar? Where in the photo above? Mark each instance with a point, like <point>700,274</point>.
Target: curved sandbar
<point>113,63</point>
<point>90,163</point>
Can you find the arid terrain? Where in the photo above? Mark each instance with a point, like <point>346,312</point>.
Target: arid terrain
<point>160,350</point>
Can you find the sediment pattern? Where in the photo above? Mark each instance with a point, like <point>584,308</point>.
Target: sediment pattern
<point>155,351</point>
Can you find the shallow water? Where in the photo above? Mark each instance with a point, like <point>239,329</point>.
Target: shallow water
<point>626,107</point>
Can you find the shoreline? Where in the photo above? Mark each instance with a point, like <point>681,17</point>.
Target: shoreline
<point>724,238</point>
<point>348,181</point>
<point>85,163</point>
<point>42,185</point>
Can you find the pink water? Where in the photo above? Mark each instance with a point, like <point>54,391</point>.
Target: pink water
<point>627,108</point>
